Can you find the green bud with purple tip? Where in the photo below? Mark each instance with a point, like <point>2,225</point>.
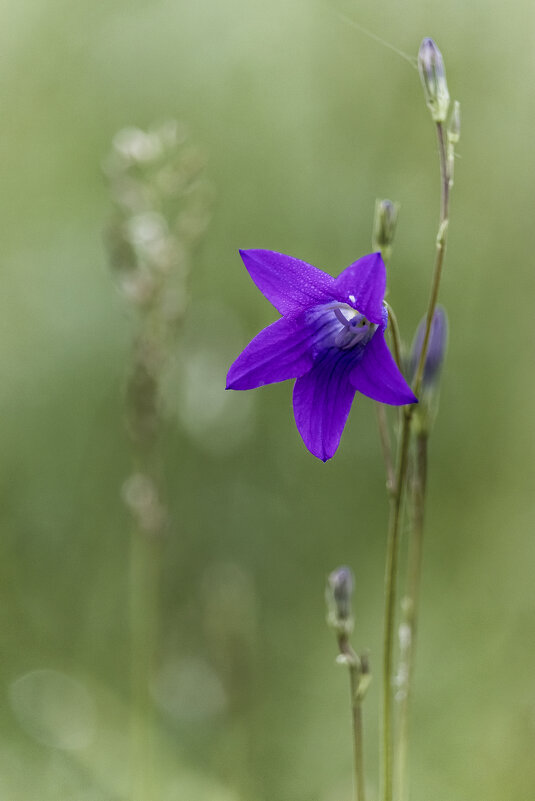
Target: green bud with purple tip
<point>433,76</point>
<point>384,227</point>
<point>339,592</point>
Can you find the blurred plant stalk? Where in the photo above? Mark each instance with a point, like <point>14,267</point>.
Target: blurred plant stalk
<point>162,207</point>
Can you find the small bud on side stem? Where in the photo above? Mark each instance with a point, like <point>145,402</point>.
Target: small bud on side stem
<point>339,592</point>
<point>384,227</point>
<point>340,586</point>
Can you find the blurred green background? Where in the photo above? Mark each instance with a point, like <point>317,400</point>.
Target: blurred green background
<point>305,122</point>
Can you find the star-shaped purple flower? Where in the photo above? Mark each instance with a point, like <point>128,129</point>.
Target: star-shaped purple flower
<point>330,338</point>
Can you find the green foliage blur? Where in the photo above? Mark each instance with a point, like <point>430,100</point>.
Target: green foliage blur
<point>304,121</point>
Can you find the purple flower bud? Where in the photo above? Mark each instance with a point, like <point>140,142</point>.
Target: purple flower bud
<point>433,76</point>
<point>436,349</point>
<point>340,585</point>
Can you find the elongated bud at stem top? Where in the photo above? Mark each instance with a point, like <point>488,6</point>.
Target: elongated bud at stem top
<point>384,226</point>
<point>454,125</point>
<point>433,75</point>
<point>340,585</point>
<point>436,348</point>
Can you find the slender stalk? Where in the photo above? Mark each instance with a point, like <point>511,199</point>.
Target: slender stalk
<point>409,607</point>
<point>391,573</point>
<point>386,447</point>
<point>400,484</point>
<point>440,252</point>
<point>393,327</point>
<point>355,675</point>
<point>382,418</point>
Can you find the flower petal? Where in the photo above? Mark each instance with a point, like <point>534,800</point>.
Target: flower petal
<point>362,285</point>
<point>282,350</point>
<point>322,399</point>
<point>289,284</point>
<point>378,376</point>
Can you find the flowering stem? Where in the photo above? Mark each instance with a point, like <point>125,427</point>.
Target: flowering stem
<point>382,419</point>
<point>355,666</point>
<point>391,572</point>
<point>401,480</point>
<point>440,251</point>
<point>410,608</point>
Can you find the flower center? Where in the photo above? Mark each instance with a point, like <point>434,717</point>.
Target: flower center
<point>355,328</point>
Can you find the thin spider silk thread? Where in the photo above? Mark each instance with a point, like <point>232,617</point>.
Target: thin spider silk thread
<point>405,56</point>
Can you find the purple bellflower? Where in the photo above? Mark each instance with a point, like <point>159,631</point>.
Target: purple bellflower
<point>330,338</point>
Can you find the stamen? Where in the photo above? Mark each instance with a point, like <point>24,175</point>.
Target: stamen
<point>341,317</point>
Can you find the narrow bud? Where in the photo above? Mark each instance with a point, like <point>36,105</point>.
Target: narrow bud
<point>426,411</point>
<point>454,125</point>
<point>340,585</point>
<point>436,349</point>
<point>433,76</point>
<point>384,226</point>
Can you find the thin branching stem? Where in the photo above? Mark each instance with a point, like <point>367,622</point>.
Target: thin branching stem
<point>386,446</point>
<point>394,526</point>
<point>355,674</point>
<point>393,327</point>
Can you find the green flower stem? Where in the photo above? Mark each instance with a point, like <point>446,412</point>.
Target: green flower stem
<point>393,327</point>
<point>382,418</point>
<point>357,690</point>
<point>386,447</point>
<point>440,252</point>
<point>391,573</point>
<point>401,481</point>
<point>409,607</point>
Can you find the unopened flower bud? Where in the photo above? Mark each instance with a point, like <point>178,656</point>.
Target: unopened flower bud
<point>436,348</point>
<point>426,411</point>
<point>340,585</point>
<point>384,226</point>
<point>454,125</point>
<point>433,76</point>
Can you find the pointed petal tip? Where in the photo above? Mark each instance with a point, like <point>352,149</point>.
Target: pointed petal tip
<point>321,456</point>
<point>401,398</point>
<point>408,400</point>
